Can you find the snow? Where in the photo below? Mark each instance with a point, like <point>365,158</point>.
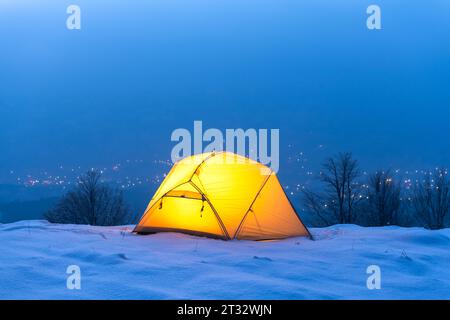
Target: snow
<point>116,264</point>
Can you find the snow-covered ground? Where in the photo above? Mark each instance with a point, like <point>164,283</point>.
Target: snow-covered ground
<point>115,264</point>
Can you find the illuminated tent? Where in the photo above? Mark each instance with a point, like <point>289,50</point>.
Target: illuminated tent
<point>222,195</point>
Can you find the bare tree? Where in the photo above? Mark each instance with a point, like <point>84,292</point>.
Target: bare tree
<point>383,198</point>
<point>339,174</point>
<point>431,199</point>
<point>337,204</point>
<point>91,202</point>
<point>317,205</point>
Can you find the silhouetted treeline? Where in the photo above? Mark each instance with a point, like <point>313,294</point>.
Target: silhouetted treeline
<point>376,199</point>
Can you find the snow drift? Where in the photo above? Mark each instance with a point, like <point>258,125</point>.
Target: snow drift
<point>116,264</point>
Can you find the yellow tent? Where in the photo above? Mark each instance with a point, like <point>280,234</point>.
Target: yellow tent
<point>222,195</point>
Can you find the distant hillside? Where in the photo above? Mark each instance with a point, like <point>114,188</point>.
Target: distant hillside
<point>25,210</point>
<point>26,203</point>
<point>138,199</point>
<point>16,192</point>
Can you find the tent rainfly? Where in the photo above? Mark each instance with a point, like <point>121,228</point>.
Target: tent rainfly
<point>222,195</point>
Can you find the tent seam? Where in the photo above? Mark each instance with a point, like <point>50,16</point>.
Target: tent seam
<point>251,204</point>
<point>216,213</point>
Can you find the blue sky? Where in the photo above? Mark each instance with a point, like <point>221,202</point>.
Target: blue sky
<point>118,87</point>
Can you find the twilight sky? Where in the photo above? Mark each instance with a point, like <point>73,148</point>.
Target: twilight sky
<point>118,87</point>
